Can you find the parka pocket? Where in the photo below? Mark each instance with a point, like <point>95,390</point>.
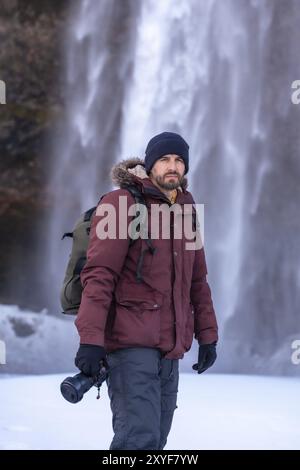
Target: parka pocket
<point>139,305</point>
<point>137,320</point>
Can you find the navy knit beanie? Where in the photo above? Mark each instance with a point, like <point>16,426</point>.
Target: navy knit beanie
<point>164,144</point>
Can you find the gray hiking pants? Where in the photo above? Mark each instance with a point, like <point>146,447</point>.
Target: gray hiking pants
<point>142,387</point>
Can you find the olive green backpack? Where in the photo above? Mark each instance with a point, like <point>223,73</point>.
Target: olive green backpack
<point>71,292</point>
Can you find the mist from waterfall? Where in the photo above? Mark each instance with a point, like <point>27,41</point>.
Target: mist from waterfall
<point>219,73</point>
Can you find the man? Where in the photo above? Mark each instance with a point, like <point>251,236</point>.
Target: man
<point>142,303</point>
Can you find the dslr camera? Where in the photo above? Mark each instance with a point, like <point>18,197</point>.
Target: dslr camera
<point>73,388</point>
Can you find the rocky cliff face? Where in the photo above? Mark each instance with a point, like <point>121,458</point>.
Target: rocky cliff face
<point>30,63</point>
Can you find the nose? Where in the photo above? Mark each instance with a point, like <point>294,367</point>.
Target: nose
<point>171,167</point>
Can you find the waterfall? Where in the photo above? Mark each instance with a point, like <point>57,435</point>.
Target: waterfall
<point>98,48</point>
<point>219,73</point>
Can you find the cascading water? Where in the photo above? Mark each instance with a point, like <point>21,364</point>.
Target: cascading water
<point>98,48</point>
<point>202,68</point>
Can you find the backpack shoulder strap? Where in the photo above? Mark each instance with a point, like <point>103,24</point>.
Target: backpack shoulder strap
<point>195,219</point>
<point>136,193</point>
<point>139,199</point>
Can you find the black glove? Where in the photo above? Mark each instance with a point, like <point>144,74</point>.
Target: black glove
<point>88,359</point>
<point>206,357</point>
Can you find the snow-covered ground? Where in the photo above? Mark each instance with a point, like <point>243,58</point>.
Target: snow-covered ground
<point>40,343</point>
<point>37,343</point>
<point>214,412</point>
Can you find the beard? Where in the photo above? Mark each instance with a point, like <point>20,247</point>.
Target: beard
<point>168,185</point>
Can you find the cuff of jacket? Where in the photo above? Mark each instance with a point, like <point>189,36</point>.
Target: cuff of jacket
<point>207,337</point>
<point>95,339</point>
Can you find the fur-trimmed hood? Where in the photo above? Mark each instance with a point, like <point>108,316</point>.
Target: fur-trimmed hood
<point>132,171</point>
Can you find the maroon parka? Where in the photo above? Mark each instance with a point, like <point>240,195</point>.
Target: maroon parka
<point>173,300</point>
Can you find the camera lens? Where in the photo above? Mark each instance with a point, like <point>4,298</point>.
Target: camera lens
<point>73,388</point>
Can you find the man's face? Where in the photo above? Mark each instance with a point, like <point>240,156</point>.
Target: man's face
<point>168,171</point>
